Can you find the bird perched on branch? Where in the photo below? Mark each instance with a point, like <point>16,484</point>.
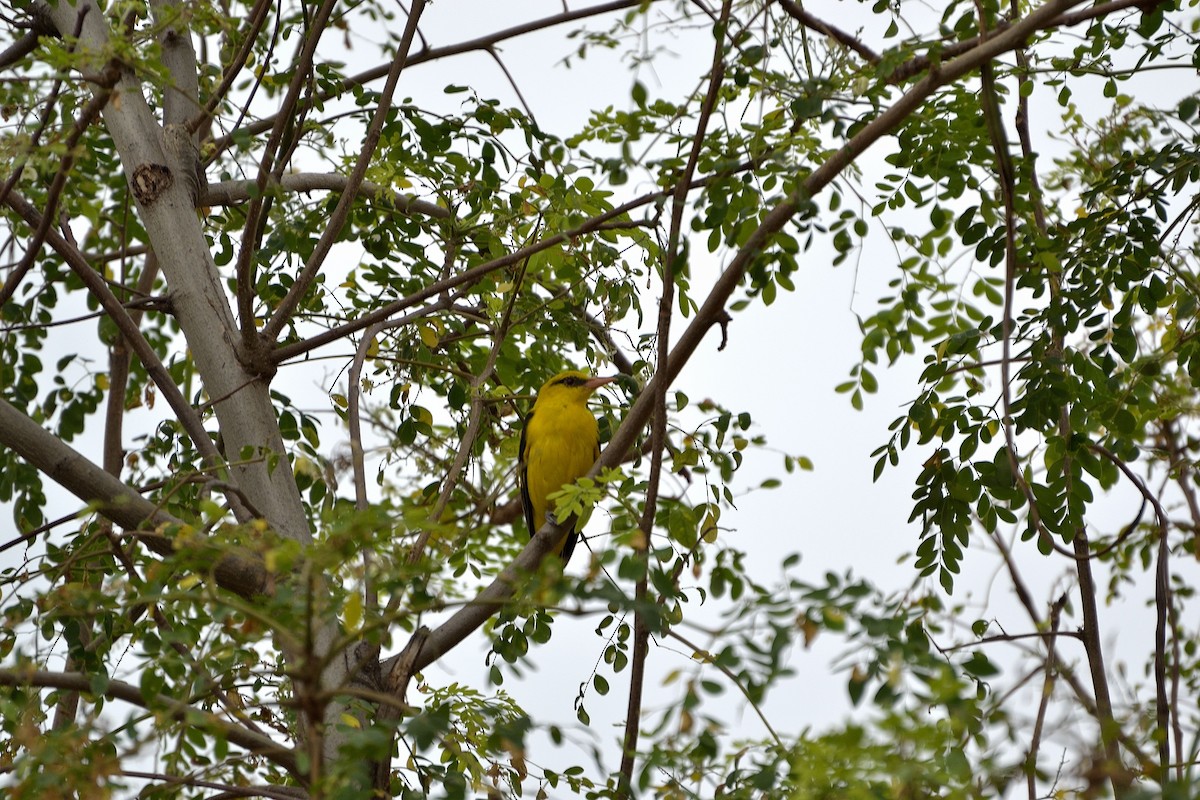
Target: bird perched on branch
<point>559,444</point>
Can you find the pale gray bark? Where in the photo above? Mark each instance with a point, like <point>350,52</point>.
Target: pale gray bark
<point>234,376</point>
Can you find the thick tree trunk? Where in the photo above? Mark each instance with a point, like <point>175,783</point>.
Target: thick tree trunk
<point>240,393</point>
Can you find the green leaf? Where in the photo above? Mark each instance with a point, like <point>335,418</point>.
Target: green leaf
<point>639,94</point>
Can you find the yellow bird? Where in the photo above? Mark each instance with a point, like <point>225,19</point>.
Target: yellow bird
<point>559,444</point>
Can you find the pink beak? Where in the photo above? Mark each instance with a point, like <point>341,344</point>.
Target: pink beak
<point>596,383</point>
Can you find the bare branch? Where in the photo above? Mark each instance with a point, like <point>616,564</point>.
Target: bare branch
<point>1051,672</point>
<point>20,48</point>
<point>230,192</point>
<point>226,791</point>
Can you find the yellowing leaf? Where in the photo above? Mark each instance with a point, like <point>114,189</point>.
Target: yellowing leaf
<point>429,336</point>
<point>810,630</point>
<point>102,381</point>
<point>304,465</point>
<point>638,539</point>
<point>352,612</point>
<point>350,721</point>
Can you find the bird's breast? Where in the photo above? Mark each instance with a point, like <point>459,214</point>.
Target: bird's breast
<point>561,447</point>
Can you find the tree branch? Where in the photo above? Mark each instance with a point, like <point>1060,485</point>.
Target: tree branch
<point>271,167</point>
<point>475,613</point>
<point>176,709</point>
<point>797,12</point>
<point>230,192</point>
<point>434,53</point>
<point>658,428</point>
<point>287,307</point>
<point>114,500</point>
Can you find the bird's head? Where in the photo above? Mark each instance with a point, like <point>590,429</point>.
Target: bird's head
<point>569,388</point>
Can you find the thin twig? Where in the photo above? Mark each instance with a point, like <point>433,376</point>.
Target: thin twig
<point>1181,466</point>
<point>174,709</point>
<point>474,417</point>
<point>797,12</point>
<point>1162,600</point>
<point>1051,672</point>
<point>658,435</point>
<point>226,790</point>
<point>1010,637</point>
<point>187,416</point>
<point>706,658</point>
<point>357,455</point>
<point>337,219</point>
<point>428,54</point>
<point>995,128</point>
<point>257,213</point>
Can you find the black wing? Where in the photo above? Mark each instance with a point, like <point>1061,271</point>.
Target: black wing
<point>523,478</point>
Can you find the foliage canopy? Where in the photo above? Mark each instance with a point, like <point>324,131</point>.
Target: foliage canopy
<point>281,278</point>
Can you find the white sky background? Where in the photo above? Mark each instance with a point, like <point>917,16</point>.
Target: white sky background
<point>781,364</point>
